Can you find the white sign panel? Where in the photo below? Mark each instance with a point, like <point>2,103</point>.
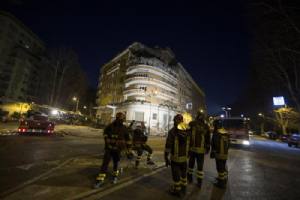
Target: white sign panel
<point>278,101</point>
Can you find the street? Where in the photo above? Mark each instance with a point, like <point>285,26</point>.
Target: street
<point>64,167</point>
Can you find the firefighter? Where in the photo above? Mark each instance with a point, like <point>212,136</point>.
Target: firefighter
<point>139,145</point>
<point>200,144</point>
<point>177,144</point>
<point>116,139</point>
<point>220,146</point>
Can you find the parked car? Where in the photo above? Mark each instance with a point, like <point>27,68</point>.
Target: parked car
<point>36,124</point>
<point>284,138</point>
<point>271,135</point>
<point>294,139</point>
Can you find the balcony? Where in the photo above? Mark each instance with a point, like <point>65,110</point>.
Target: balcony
<point>150,81</point>
<point>130,92</point>
<point>155,62</point>
<point>153,70</point>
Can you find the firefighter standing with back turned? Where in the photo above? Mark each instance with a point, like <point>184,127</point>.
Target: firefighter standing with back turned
<point>116,137</point>
<point>200,144</point>
<point>139,144</point>
<point>220,145</point>
<point>177,145</point>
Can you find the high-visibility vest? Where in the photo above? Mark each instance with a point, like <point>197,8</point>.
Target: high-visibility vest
<point>177,156</point>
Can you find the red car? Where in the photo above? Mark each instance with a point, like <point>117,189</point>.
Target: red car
<point>36,124</point>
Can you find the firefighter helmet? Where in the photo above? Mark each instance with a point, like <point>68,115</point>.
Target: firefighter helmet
<point>178,118</point>
<point>184,123</point>
<point>120,116</point>
<point>187,118</point>
<point>200,114</point>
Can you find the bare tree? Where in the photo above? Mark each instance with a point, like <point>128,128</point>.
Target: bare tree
<point>277,28</point>
<point>67,77</point>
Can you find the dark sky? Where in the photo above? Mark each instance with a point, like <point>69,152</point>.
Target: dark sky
<point>209,39</point>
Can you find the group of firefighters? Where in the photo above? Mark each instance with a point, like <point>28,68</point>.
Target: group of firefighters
<point>186,144</point>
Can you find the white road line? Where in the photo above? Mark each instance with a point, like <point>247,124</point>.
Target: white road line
<point>6,193</point>
<point>98,194</point>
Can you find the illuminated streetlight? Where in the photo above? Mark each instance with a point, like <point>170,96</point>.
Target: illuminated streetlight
<point>77,102</point>
<point>227,111</point>
<point>84,107</point>
<point>54,112</point>
<point>262,124</point>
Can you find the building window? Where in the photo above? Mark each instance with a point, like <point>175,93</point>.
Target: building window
<point>143,88</point>
<point>189,106</point>
<point>139,116</point>
<point>154,116</point>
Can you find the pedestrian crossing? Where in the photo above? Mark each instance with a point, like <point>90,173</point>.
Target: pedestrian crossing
<point>8,133</point>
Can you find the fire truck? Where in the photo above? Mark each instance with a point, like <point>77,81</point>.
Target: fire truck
<point>238,129</point>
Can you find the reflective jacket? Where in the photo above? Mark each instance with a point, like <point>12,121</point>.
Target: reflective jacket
<point>220,144</point>
<point>139,138</point>
<point>200,137</point>
<point>177,144</point>
<point>116,137</point>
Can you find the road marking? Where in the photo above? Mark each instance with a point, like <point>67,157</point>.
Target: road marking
<point>26,167</point>
<point>8,192</point>
<point>99,193</point>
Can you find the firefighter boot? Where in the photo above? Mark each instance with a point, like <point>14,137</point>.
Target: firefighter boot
<point>115,176</point>
<point>190,178</point>
<point>115,180</point>
<point>98,184</point>
<point>137,164</point>
<point>183,190</point>
<point>220,183</point>
<point>175,190</point>
<point>199,182</point>
<point>99,180</point>
<point>149,160</point>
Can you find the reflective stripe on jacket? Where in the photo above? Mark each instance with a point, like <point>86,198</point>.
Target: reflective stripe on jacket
<point>220,145</point>
<point>178,145</point>
<point>200,137</point>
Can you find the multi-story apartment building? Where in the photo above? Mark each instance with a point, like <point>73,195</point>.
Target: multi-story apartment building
<point>148,84</point>
<point>20,60</point>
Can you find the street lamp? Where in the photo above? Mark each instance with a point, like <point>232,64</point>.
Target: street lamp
<point>262,124</point>
<point>227,111</point>
<point>77,103</point>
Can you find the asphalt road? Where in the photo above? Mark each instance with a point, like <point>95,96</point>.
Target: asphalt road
<point>24,157</point>
<point>267,170</point>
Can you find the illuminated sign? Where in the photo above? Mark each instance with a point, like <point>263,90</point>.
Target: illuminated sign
<point>278,101</point>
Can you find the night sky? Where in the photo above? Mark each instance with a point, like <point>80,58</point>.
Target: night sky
<point>209,39</point>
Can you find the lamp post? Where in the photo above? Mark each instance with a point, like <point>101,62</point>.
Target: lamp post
<point>227,111</point>
<point>77,103</point>
<point>262,124</point>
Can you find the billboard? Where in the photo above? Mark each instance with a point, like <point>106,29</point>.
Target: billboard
<point>278,101</point>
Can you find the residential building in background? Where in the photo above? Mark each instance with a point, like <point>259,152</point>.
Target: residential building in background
<point>149,85</point>
<point>21,61</point>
